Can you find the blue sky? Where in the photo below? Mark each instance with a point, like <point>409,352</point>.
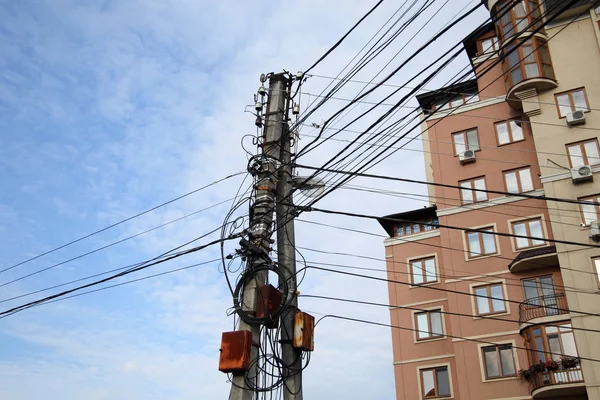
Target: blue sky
<point>108,108</point>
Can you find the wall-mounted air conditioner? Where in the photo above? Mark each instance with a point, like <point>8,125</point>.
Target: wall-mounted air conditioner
<point>576,118</point>
<point>467,157</point>
<point>582,174</point>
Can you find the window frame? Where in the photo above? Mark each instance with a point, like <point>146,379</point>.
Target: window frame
<point>510,132</point>
<point>494,48</point>
<point>539,288</point>
<point>528,233</point>
<point>423,270</point>
<point>596,268</point>
<point>481,243</point>
<point>536,45</point>
<point>530,16</point>
<point>431,336</point>
<point>584,154</point>
<point>519,183</point>
<point>571,102</point>
<point>497,349</point>
<point>594,198</point>
<point>421,370</point>
<point>473,191</point>
<point>529,340</point>
<point>488,287</point>
<point>467,145</point>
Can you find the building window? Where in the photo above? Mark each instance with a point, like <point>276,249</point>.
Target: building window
<point>488,45</point>
<point>539,292</point>
<point>551,341</point>
<point>527,61</point>
<point>435,383</point>
<point>456,101</point>
<point>596,262</point>
<point>590,212</point>
<point>499,361</point>
<point>532,228</point>
<point>573,100</point>
<point>467,140</point>
<point>490,299</point>
<point>582,153</point>
<point>509,132</point>
<point>408,228</point>
<point>523,15</point>
<point>468,195</point>
<point>423,271</point>
<point>481,243</point>
<point>518,180</point>
<point>429,325</point>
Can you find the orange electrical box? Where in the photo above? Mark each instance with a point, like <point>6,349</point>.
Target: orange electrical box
<point>268,302</point>
<point>235,351</point>
<point>304,327</point>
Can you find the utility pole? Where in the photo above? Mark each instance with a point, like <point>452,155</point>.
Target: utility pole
<point>286,255</point>
<point>261,223</point>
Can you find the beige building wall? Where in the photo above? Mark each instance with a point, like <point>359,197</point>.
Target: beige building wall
<point>575,54</point>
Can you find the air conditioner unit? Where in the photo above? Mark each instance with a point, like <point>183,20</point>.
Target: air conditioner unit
<point>582,174</point>
<point>595,231</point>
<point>576,118</point>
<point>467,157</point>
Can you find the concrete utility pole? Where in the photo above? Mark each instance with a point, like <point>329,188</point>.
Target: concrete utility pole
<point>261,224</point>
<point>286,255</point>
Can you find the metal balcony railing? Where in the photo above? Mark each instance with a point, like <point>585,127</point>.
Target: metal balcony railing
<point>557,377</point>
<point>543,306</point>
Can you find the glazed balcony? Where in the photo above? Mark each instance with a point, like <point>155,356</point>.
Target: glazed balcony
<point>543,306</point>
<point>515,17</point>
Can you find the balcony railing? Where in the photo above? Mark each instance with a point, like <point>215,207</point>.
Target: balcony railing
<point>543,306</point>
<point>557,377</point>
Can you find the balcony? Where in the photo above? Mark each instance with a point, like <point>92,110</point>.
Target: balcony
<point>558,384</point>
<point>540,257</point>
<point>527,66</point>
<point>543,306</point>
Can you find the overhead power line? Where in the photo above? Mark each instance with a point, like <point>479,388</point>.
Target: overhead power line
<point>122,221</point>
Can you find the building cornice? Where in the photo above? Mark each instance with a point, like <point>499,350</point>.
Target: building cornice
<point>467,107</point>
<point>411,238</point>
<point>562,175</point>
<point>490,203</point>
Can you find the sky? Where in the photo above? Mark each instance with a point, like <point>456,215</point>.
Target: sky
<point>108,108</point>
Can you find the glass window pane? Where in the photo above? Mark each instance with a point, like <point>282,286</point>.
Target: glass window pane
<point>516,76</point>
<point>466,192</point>
<point>480,185</point>
<point>417,272</point>
<point>472,140</point>
<point>575,155</point>
<point>443,382</point>
<point>472,98</point>
<point>531,291</point>
<point>526,181</point>
<point>539,355</point>
<point>459,143</point>
<point>489,244</point>
<point>436,324</point>
<point>528,54</point>
<point>547,286</point>
<point>554,345</point>
<point>507,360</point>
<point>502,132</point>
<point>422,326</point>
<point>591,151</point>
<point>483,306</point>
<point>579,100</point>
<point>474,247</point>
<point>517,132</point>
<point>486,45</point>
<point>532,70</point>
<point>428,383</point>
<point>589,213</point>
<point>564,104</point>
<point>597,265</point>
<point>520,229</point>
<point>519,10</point>
<point>492,363</point>
<point>511,182</point>
<point>430,274</point>
<point>497,293</point>
<point>568,343</point>
<point>416,228</point>
<point>535,228</point>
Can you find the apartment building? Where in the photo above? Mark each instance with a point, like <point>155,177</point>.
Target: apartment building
<point>490,314</point>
